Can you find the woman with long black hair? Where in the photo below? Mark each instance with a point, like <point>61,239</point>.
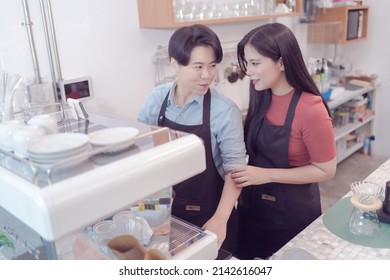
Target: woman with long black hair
<point>290,142</point>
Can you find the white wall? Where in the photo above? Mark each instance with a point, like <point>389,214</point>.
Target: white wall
<point>101,39</point>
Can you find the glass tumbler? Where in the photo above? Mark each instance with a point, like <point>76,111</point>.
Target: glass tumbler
<point>30,110</point>
<point>103,232</point>
<point>127,223</point>
<point>121,219</point>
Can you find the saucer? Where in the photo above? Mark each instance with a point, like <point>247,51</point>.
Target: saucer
<point>57,144</point>
<point>118,138</point>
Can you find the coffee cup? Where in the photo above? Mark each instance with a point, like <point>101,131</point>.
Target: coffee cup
<point>7,129</point>
<point>23,136</point>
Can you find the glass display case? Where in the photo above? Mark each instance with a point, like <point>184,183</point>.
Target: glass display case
<point>61,209</point>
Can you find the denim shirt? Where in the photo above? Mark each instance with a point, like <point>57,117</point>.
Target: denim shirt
<point>227,136</point>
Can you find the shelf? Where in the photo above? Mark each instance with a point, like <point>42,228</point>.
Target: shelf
<point>349,151</point>
<point>346,96</point>
<point>363,129</point>
<point>340,132</point>
<point>161,14</point>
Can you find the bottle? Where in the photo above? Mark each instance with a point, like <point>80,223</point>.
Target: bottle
<point>317,75</point>
<point>311,67</point>
<point>386,201</point>
<point>325,75</point>
<point>366,146</point>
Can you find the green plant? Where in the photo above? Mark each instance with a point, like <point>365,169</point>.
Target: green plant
<point>5,242</point>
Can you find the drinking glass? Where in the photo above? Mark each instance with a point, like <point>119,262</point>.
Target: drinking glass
<point>103,232</point>
<point>127,223</point>
<point>30,110</point>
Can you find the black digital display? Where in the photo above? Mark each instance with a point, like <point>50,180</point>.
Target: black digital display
<point>80,88</point>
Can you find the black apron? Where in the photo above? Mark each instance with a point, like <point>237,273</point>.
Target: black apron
<point>272,214</point>
<point>196,199</point>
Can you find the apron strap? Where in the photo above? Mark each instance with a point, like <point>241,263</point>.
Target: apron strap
<point>291,109</point>
<point>207,104</point>
<point>162,110</point>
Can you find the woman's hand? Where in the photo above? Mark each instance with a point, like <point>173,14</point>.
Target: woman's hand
<point>218,225</point>
<point>249,175</point>
<point>314,172</point>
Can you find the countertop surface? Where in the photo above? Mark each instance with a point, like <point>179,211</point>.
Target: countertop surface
<point>322,244</point>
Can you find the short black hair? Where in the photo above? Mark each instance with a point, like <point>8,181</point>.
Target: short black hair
<point>186,38</point>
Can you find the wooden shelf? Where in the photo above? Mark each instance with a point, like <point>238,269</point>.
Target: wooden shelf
<point>332,25</point>
<point>161,14</point>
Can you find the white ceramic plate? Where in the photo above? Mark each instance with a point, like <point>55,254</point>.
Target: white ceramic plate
<point>63,162</point>
<point>51,159</point>
<point>118,137</point>
<point>57,144</point>
<point>59,155</point>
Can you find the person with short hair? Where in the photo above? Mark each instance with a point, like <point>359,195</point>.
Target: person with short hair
<point>189,104</point>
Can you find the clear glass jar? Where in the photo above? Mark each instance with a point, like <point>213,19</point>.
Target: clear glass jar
<point>364,219</point>
<point>364,222</point>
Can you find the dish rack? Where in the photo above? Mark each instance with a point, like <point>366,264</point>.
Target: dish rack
<point>31,172</point>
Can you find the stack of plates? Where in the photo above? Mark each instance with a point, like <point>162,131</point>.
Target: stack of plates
<point>50,149</point>
<point>115,139</point>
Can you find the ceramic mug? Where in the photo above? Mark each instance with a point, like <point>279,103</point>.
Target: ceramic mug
<point>45,121</point>
<point>7,129</point>
<point>23,136</point>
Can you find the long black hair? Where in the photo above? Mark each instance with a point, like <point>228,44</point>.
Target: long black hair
<point>276,41</point>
